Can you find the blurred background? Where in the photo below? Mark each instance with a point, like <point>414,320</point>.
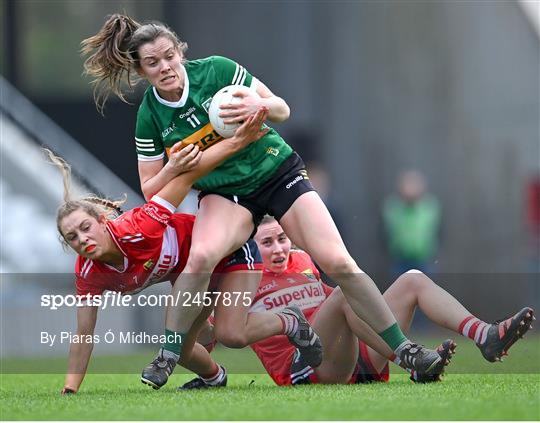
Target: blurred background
<point>448,91</point>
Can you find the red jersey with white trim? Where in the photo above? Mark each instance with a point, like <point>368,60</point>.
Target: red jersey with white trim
<point>299,285</point>
<point>155,242</point>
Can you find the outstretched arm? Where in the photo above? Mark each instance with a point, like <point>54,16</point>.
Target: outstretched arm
<point>176,190</point>
<point>79,352</point>
<point>154,175</point>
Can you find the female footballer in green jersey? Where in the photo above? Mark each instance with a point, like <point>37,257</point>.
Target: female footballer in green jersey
<point>266,177</point>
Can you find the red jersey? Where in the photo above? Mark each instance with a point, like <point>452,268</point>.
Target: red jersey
<point>299,285</point>
<point>155,243</point>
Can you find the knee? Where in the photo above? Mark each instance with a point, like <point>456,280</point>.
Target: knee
<point>202,259</point>
<point>339,264</point>
<point>413,279</point>
<point>231,339</point>
<point>337,298</point>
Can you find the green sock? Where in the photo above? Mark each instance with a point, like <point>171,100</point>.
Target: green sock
<point>173,341</point>
<point>393,336</point>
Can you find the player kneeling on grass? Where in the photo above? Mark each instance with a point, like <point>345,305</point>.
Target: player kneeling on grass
<point>350,346</point>
<point>149,244</point>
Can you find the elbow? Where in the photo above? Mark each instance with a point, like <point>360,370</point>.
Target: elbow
<point>147,194</point>
<point>286,113</point>
<point>279,109</point>
<point>282,114</point>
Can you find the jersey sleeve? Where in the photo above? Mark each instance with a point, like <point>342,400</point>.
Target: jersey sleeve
<point>85,287</point>
<point>228,72</point>
<point>86,280</point>
<point>142,228</point>
<point>148,142</point>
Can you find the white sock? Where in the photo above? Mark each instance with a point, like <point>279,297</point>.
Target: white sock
<point>290,323</point>
<point>217,378</point>
<point>397,351</point>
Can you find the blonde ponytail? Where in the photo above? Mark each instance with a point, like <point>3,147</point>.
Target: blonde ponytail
<point>92,204</point>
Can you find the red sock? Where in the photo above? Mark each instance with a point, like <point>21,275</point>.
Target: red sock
<point>474,328</point>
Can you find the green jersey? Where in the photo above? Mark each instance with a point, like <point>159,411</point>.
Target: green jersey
<point>161,124</point>
<point>412,228</point>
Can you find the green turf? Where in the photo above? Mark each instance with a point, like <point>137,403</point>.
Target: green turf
<point>462,396</point>
<point>121,397</point>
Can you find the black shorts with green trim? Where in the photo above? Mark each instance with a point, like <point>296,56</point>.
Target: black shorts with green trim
<point>278,193</point>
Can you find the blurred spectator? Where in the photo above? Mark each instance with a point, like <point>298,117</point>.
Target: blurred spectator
<point>412,221</point>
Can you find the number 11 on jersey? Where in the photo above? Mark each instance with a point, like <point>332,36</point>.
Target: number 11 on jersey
<point>194,121</point>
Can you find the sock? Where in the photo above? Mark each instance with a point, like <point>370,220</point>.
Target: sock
<point>397,352</point>
<point>217,378</point>
<point>210,374</point>
<point>394,337</point>
<point>474,328</point>
<point>168,354</point>
<point>173,343</point>
<point>290,323</point>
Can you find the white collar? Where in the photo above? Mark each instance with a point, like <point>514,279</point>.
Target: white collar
<point>183,99</point>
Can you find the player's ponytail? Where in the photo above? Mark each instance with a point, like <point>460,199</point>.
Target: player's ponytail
<point>109,60</point>
<point>65,170</point>
<point>92,204</point>
<point>113,54</point>
<point>111,208</point>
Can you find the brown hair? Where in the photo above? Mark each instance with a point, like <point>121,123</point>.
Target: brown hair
<point>267,219</point>
<point>113,54</point>
<point>93,205</point>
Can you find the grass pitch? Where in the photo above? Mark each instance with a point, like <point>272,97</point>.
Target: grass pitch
<point>253,396</point>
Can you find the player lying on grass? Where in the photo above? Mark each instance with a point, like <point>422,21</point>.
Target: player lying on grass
<point>291,279</point>
<point>149,244</point>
